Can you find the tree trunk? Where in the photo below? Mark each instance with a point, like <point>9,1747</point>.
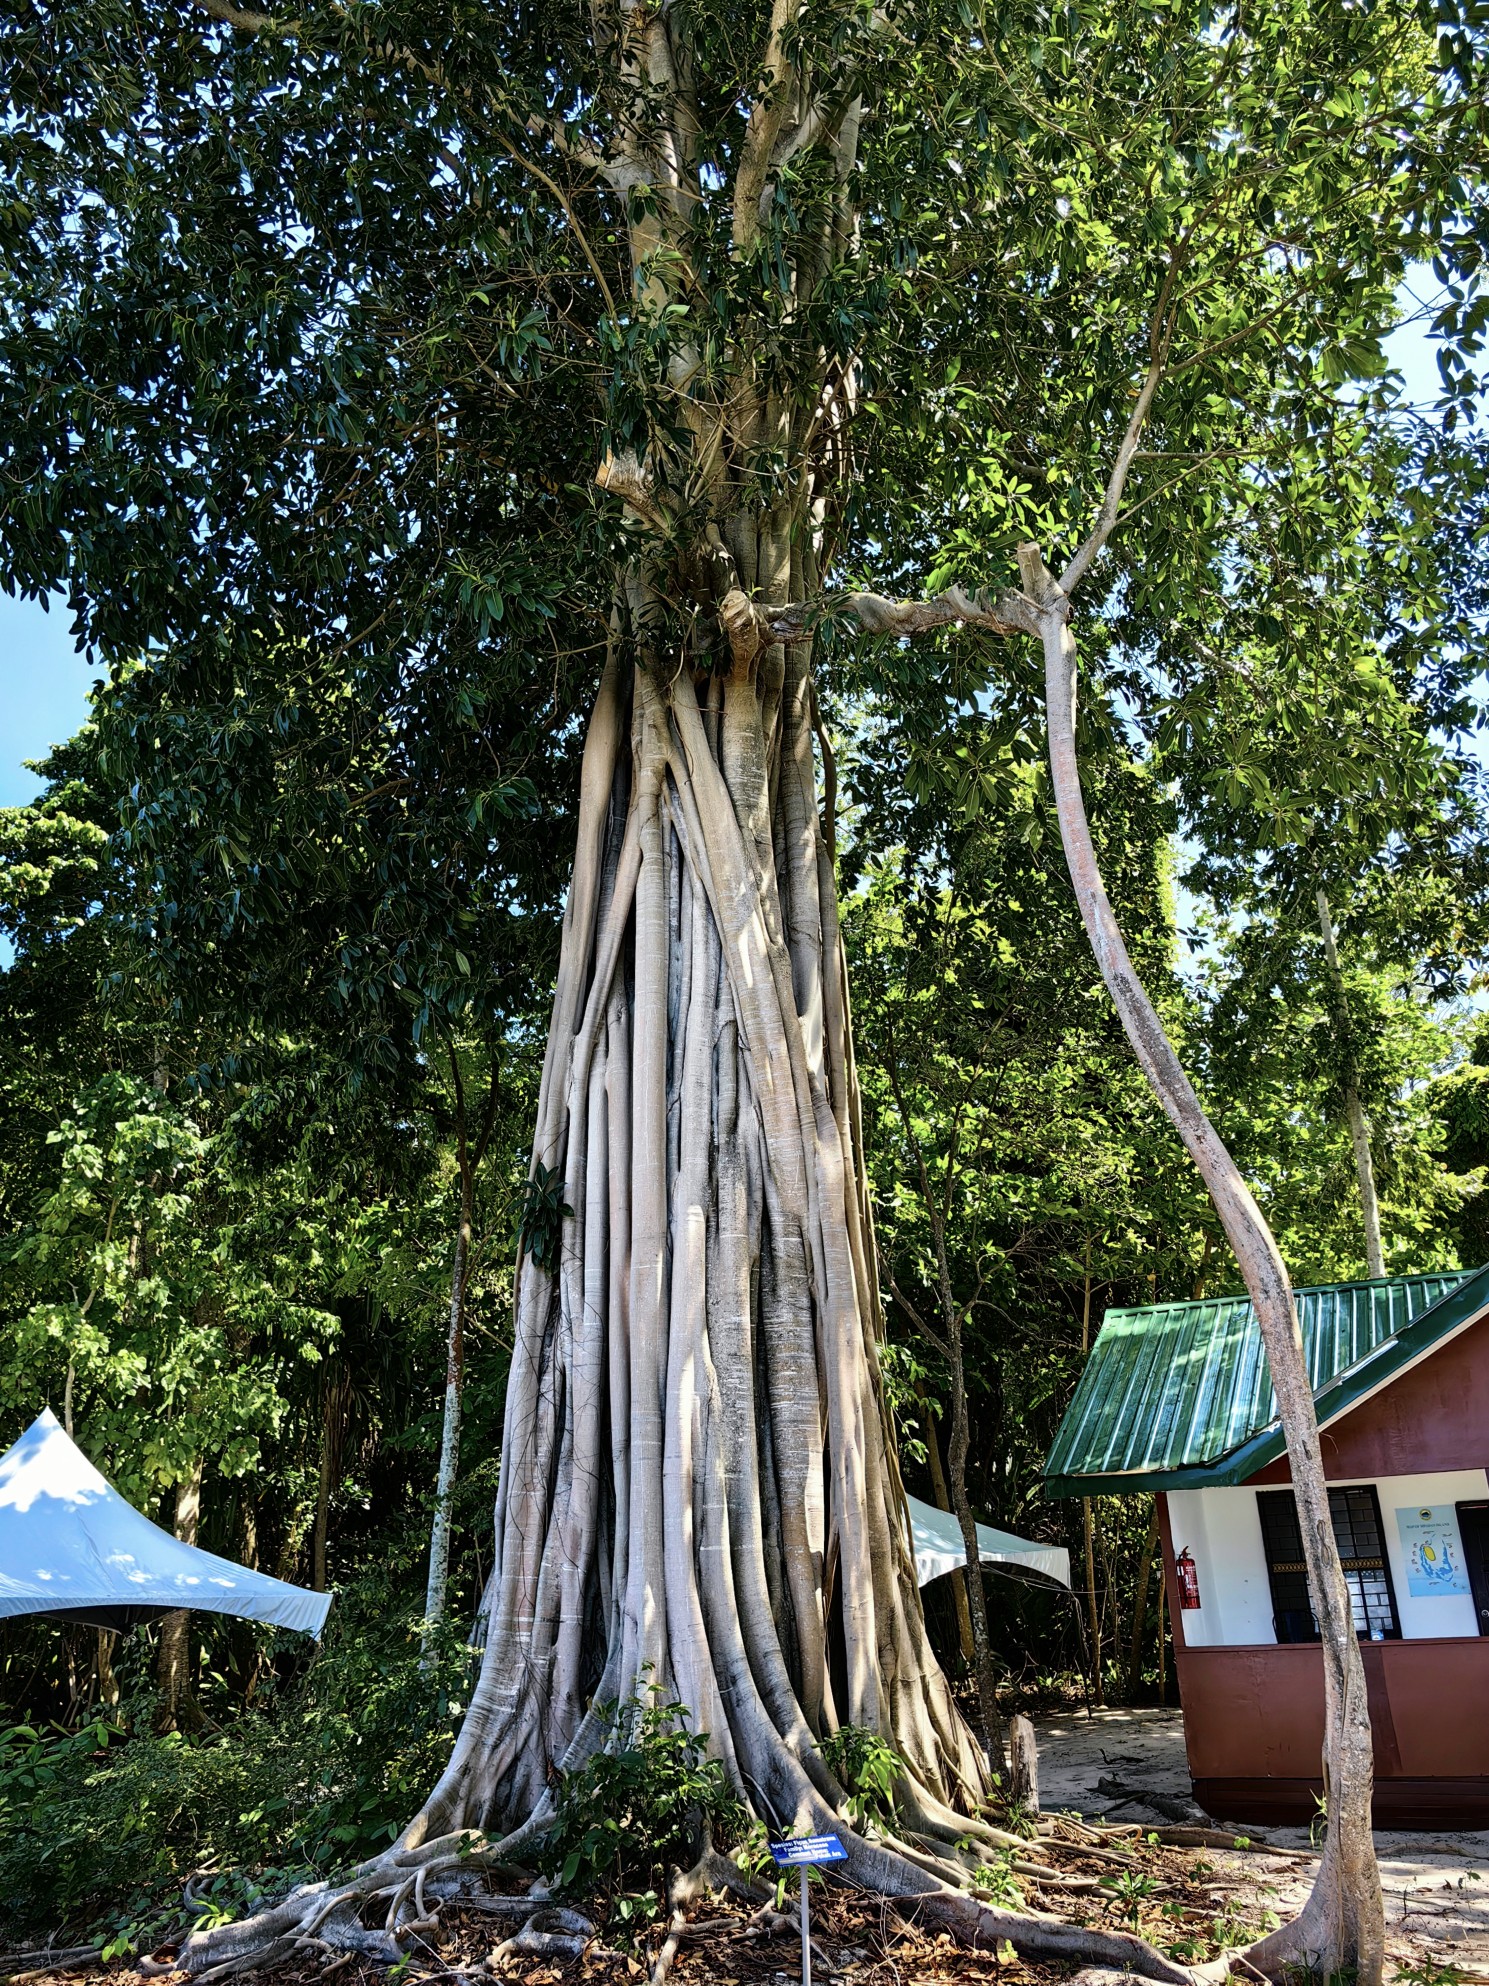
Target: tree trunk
<point>1359,1123</point>
<point>449,1447</point>
<point>987,1688</point>
<point>1088,1513</point>
<point>952,1317</point>
<point>1163,1624</point>
<point>333,1403</point>
<point>943,1502</point>
<point>103,1665</point>
<point>1343,1922</point>
<point>247,1655</point>
<point>1093,1612</point>
<point>1140,1606</point>
<point>696,1485</point>
<point>1023,1764</point>
<point>173,1654</point>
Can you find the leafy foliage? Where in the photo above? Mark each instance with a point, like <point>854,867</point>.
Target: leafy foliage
<point>99,1833</point>
<point>868,1770</point>
<point>544,1211</point>
<point>641,1802</point>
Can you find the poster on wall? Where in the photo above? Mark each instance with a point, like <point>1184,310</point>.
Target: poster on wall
<point>1434,1554</point>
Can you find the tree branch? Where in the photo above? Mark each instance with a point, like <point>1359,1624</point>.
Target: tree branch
<point>934,1338</point>
<point>1106,517</point>
<point>752,627</point>
<point>546,179</point>
<point>245,22</point>
<point>767,114</point>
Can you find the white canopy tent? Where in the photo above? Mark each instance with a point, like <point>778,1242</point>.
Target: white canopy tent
<point>937,1539</point>
<point>71,1546</point>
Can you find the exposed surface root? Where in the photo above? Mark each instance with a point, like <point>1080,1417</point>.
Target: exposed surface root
<point>550,1933</point>
<point>405,1890</point>
<point>670,1946</point>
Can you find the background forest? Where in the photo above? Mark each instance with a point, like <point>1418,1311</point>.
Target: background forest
<point>238,1158</point>
<point>318,406</point>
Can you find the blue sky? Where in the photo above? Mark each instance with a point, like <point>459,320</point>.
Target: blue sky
<point>44,682</point>
<point>44,686</point>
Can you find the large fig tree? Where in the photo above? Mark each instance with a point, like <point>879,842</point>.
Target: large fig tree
<point>653,335</point>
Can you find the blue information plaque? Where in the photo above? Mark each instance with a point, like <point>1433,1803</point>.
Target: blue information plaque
<point>808,1848</point>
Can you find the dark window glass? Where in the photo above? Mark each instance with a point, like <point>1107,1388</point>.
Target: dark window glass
<point>1292,1617</point>
<point>1357,1532</point>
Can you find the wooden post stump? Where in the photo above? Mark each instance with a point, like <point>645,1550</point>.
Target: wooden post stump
<point>1023,1761</point>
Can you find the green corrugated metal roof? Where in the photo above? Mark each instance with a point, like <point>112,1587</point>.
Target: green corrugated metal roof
<point>1177,1396</point>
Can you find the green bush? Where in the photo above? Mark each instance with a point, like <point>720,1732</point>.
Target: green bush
<point>640,1805</point>
<point>868,1769</point>
<point>99,1829</point>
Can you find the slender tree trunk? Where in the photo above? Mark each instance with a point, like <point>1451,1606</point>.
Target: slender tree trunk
<point>1359,1123</point>
<point>247,1657</point>
<point>1163,1624</point>
<point>449,1447</point>
<point>952,1317</point>
<point>103,1664</point>
<point>943,1502</point>
<point>173,1654</point>
<point>1088,1511</point>
<point>1343,1922</point>
<point>1140,1606</point>
<point>333,1414</point>
<point>1093,1612</point>
<point>987,1687</point>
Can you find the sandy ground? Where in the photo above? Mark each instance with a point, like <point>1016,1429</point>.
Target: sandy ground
<point>1436,1885</point>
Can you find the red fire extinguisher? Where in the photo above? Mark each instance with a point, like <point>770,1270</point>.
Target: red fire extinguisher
<point>1187,1573</point>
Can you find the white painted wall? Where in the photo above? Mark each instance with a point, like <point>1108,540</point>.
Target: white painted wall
<point>1435,1617</point>
<point>1224,1535</point>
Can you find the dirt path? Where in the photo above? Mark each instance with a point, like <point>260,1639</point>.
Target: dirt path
<point>1436,1885</point>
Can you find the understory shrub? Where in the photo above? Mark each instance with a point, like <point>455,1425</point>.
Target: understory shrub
<point>99,1828</point>
<point>640,1805</point>
<point>868,1769</point>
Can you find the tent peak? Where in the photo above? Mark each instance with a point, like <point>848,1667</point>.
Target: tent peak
<point>71,1545</point>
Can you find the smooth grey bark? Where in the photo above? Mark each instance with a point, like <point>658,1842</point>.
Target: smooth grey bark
<point>1343,1922</point>
<point>468,1157</point>
<point>173,1649</point>
<point>1354,1111</point>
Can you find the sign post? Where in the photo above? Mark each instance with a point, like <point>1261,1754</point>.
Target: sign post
<point>802,1853</point>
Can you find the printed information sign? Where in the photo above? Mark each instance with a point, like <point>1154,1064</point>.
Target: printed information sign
<point>1434,1552</point>
<point>810,1848</point>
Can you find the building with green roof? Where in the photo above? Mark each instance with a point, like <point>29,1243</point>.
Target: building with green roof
<point>1176,1399</point>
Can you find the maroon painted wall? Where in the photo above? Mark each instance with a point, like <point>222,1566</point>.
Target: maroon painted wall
<point>1434,1417</point>
<point>1254,1724</point>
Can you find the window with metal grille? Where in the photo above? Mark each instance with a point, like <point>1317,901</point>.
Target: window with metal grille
<point>1358,1534</point>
